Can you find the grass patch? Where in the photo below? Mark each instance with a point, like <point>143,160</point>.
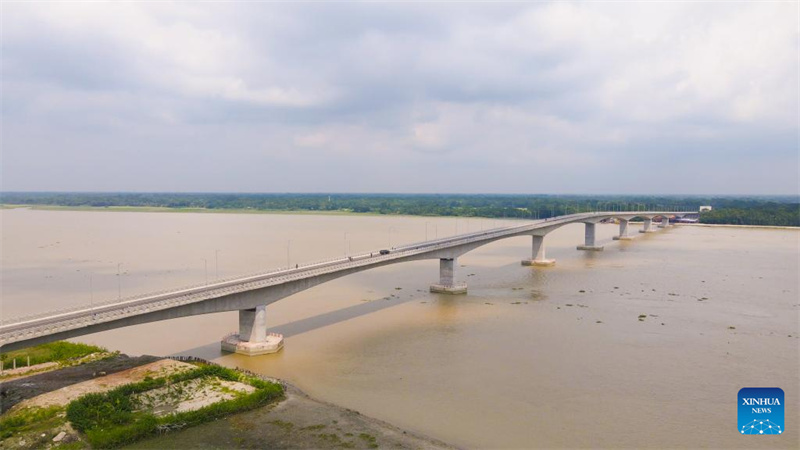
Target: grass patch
<point>52,352</point>
<point>286,426</point>
<point>371,441</point>
<point>30,419</point>
<point>74,445</point>
<point>110,419</point>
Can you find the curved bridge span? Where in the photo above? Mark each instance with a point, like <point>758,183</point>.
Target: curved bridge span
<point>251,294</point>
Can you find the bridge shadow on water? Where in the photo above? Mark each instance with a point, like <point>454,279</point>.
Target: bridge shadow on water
<point>340,315</point>
<point>212,350</point>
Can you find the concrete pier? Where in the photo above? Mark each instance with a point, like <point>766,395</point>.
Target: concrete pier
<point>664,222</point>
<point>249,294</point>
<point>447,283</point>
<point>253,338</point>
<point>623,231</point>
<point>589,239</point>
<point>538,257</point>
<point>647,227</point>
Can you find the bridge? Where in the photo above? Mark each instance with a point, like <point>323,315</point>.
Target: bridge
<point>252,293</point>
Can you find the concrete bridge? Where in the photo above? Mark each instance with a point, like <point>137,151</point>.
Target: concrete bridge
<point>251,294</point>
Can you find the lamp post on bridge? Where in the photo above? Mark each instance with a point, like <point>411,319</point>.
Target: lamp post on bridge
<point>216,264</point>
<point>345,244</point>
<point>205,261</point>
<point>288,253</point>
<point>435,231</point>
<point>91,296</point>
<point>390,235</point>
<point>119,282</point>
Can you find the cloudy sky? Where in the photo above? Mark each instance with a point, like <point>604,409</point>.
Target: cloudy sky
<point>522,98</point>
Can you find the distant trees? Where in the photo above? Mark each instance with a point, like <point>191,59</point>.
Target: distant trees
<point>776,214</point>
<point>784,211</point>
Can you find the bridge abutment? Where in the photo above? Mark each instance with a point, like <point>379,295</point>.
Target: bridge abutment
<point>647,227</point>
<point>538,257</point>
<point>589,240</point>
<point>447,283</point>
<point>623,231</point>
<point>253,338</point>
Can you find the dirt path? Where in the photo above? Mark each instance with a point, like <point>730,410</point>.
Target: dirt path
<point>17,390</point>
<point>104,383</point>
<point>14,373</point>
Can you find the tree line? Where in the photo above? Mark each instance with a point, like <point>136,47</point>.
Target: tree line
<point>773,210</point>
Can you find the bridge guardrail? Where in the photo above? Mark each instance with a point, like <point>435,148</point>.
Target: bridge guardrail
<point>256,276</point>
<point>171,297</point>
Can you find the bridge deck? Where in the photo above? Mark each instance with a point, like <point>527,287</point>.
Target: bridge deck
<point>28,327</point>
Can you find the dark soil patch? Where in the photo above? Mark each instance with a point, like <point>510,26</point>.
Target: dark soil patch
<point>17,390</point>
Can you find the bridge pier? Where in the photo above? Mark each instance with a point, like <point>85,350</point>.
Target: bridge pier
<point>589,239</point>
<point>664,222</point>
<point>538,257</point>
<point>447,283</point>
<point>647,227</point>
<point>623,231</point>
<point>253,338</point>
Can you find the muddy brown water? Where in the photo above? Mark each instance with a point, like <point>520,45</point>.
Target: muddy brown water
<point>524,360</point>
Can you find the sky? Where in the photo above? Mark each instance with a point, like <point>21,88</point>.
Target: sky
<point>584,98</point>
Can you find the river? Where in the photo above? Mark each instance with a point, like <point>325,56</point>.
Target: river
<point>531,357</point>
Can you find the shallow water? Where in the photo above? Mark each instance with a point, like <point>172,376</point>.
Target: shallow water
<point>524,360</point>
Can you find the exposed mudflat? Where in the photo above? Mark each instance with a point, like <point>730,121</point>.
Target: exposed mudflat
<point>296,422</point>
<point>299,422</point>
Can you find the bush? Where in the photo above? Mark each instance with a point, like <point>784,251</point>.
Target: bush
<point>145,425</point>
<point>100,410</point>
<point>108,419</point>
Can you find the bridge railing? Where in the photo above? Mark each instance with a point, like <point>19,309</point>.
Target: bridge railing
<point>154,294</point>
<point>437,243</point>
<point>423,246</point>
<point>265,274</point>
<point>174,290</point>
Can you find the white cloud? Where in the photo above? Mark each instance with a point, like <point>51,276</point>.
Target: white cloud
<point>509,88</point>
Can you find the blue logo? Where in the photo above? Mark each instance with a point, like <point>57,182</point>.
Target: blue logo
<point>761,411</point>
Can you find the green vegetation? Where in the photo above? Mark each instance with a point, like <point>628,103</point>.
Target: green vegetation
<point>52,352</point>
<point>369,439</point>
<point>111,419</point>
<point>775,210</point>
<point>30,420</point>
<point>777,214</point>
<point>286,426</point>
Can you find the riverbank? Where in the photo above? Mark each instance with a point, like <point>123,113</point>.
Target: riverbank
<point>298,422</point>
<point>300,212</point>
<point>724,225</point>
<point>158,209</point>
<point>38,401</point>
